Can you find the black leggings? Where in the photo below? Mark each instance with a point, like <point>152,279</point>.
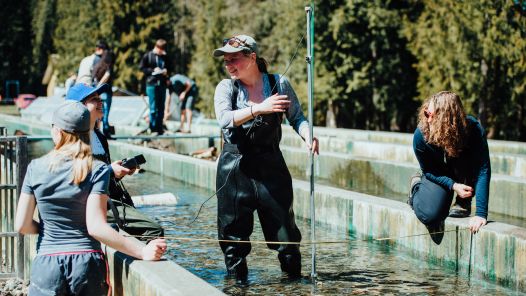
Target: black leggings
<point>431,202</point>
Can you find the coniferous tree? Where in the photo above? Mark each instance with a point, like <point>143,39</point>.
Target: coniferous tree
<point>15,44</point>
<point>209,30</point>
<point>282,45</point>
<point>138,25</point>
<point>475,48</point>
<point>75,34</point>
<point>367,75</point>
<point>43,24</point>
<point>362,55</point>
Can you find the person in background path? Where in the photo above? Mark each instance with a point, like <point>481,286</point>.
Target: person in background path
<point>251,172</point>
<point>125,215</point>
<point>155,66</point>
<point>188,93</point>
<point>70,189</point>
<point>452,151</point>
<point>85,72</point>
<point>70,81</point>
<point>102,73</point>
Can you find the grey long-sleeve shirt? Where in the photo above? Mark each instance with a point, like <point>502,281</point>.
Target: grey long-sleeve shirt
<point>225,112</point>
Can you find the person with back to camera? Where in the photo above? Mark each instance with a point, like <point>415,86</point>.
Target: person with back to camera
<point>251,173</point>
<point>121,209</point>
<point>85,71</point>
<point>452,151</point>
<point>70,189</point>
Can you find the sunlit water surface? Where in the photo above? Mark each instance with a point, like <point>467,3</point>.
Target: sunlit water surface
<point>348,178</point>
<point>359,268</point>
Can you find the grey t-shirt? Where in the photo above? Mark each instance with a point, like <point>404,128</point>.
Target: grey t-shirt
<point>62,204</point>
<point>225,113</point>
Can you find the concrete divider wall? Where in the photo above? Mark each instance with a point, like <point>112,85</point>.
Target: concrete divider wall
<point>501,163</point>
<point>191,170</point>
<point>42,109</point>
<point>132,277</point>
<point>499,249</point>
<point>381,176</point>
<point>506,193</point>
<point>28,126</point>
<point>369,144</point>
<point>163,278</point>
<point>498,252</point>
<point>373,217</point>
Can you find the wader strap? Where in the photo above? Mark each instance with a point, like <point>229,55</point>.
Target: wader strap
<point>235,91</point>
<point>115,213</point>
<point>272,82</point>
<point>233,101</point>
<point>235,87</point>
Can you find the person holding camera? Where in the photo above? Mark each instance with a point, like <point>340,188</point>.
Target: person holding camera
<point>70,189</point>
<point>453,154</point>
<point>155,66</point>
<point>251,172</point>
<point>121,210</point>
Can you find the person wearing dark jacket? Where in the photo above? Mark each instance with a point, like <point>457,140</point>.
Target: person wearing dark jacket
<point>452,151</point>
<point>124,213</point>
<point>155,66</point>
<point>103,73</point>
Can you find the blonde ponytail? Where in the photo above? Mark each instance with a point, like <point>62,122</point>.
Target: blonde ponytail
<point>74,147</point>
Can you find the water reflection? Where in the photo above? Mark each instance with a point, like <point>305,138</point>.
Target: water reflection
<point>359,268</point>
<point>360,179</point>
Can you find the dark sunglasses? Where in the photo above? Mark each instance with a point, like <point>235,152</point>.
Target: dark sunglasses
<point>427,114</point>
<point>235,42</point>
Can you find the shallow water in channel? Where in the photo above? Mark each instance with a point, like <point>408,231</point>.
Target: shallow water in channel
<point>351,179</point>
<point>358,268</point>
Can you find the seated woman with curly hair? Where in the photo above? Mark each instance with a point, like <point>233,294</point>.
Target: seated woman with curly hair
<point>453,154</point>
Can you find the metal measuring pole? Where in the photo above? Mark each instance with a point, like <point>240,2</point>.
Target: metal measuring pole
<point>310,91</point>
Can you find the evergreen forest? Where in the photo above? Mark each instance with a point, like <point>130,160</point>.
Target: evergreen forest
<point>375,61</point>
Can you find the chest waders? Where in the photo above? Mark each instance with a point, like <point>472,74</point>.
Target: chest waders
<point>259,180</point>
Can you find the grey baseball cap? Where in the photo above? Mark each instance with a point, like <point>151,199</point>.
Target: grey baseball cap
<point>72,117</point>
<point>236,44</point>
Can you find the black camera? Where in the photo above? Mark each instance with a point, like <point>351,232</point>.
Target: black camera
<point>133,162</point>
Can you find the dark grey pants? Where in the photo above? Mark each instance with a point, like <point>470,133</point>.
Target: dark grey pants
<point>431,202</point>
<point>69,274</point>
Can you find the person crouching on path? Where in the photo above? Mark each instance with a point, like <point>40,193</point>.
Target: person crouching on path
<point>70,189</point>
<point>251,172</point>
<point>452,151</point>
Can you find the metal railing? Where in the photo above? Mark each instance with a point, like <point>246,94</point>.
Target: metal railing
<point>13,165</point>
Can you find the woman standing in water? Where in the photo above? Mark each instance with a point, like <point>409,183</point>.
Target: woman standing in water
<point>70,189</point>
<point>252,174</point>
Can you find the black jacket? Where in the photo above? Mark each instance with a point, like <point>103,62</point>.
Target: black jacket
<point>117,191</point>
<point>149,62</point>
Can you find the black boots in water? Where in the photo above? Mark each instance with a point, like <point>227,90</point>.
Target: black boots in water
<point>290,264</point>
